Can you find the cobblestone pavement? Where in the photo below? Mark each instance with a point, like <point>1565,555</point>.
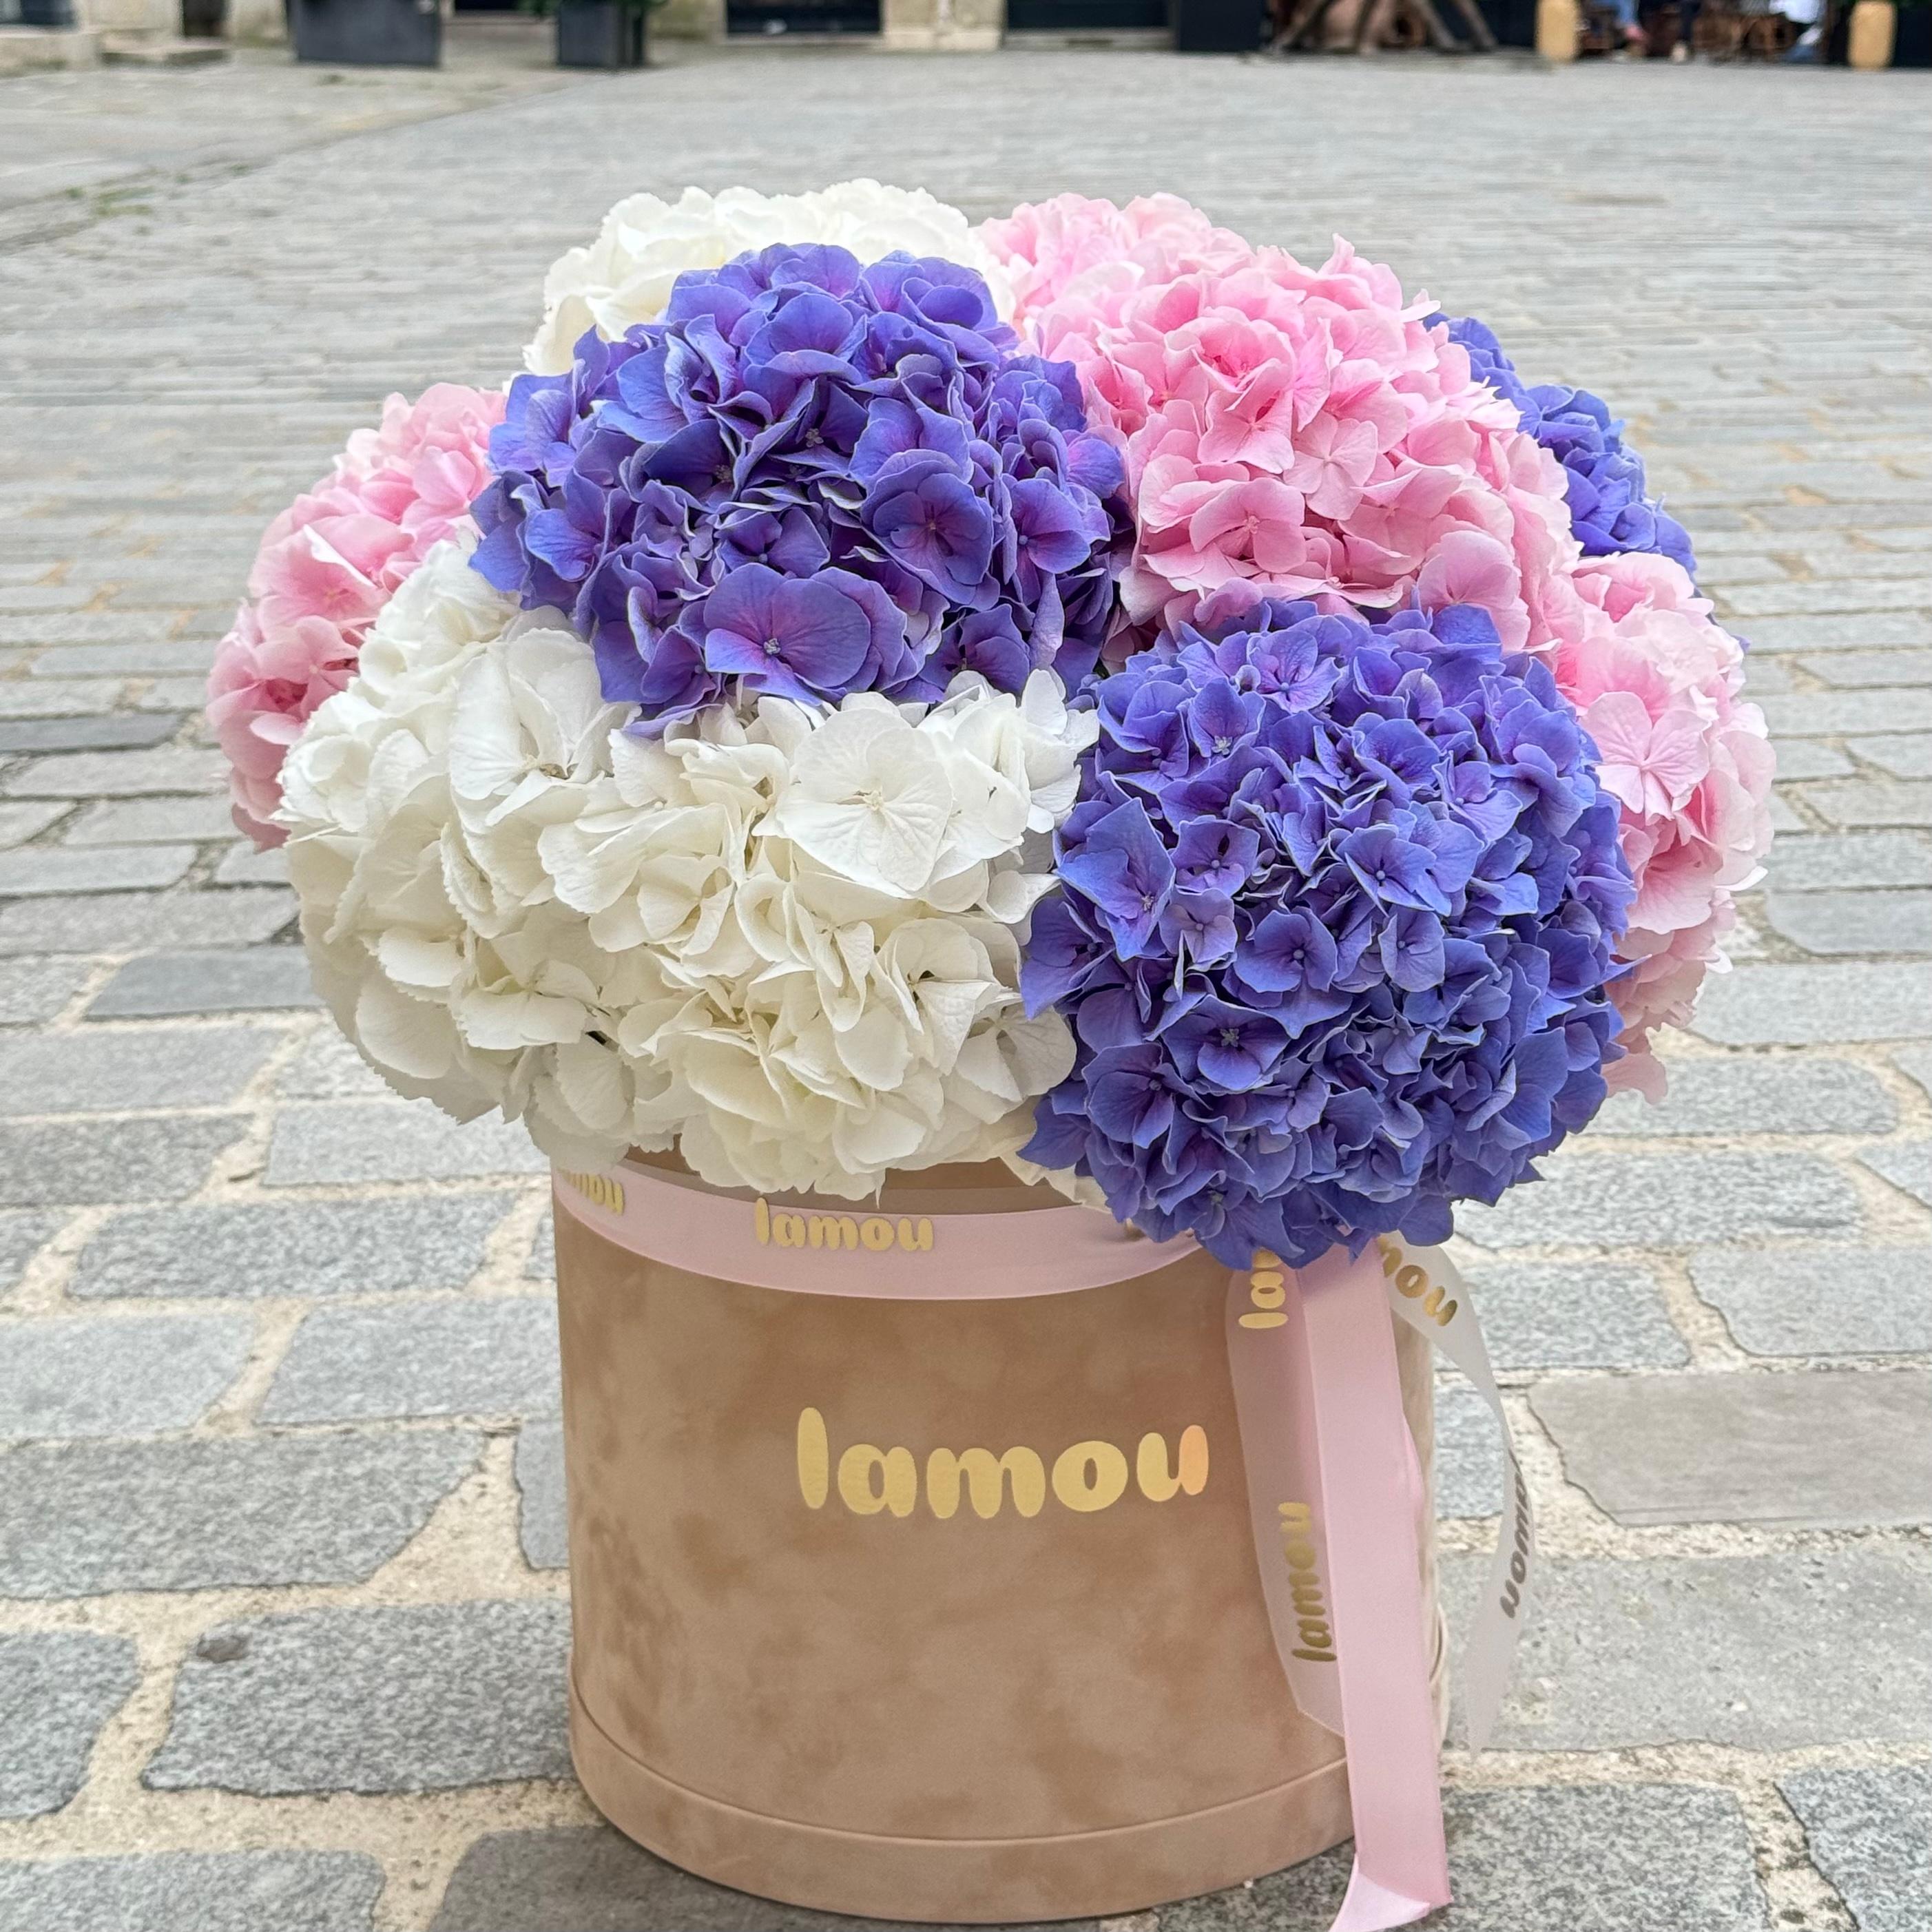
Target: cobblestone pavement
<point>282,1618</point>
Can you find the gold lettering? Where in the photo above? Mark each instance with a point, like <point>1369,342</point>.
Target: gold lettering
<point>898,1480</point>
<point>876,1233</point>
<point>1193,1460</point>
<point>600,1189</point>
<point>832,1231</point>
<point>1077,1489</point>
<point>916,1236</point>
<point>788,1230</point>
<point>1267,1289</point>
<point>1190,1474</point>
<point>987,1480</point>
<point>1089,1476</point>
<point>761,1222</point>
<point>812,1457</point>
<point>1311,1608</point>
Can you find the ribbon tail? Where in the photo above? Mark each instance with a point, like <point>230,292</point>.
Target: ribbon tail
<point>1382,1629</point>
<point>1425,1290</point>
<point>1370,1907</point>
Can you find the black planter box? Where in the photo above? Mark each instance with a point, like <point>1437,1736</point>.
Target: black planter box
<point>1513,22</point>
<point>1912,43</point>
<point>599,33</point>
<point>366,33</point>
<point>1219,26</point>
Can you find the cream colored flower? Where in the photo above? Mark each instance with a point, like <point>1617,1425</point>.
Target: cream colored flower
<point>788,943</point>
<point>625,276</point>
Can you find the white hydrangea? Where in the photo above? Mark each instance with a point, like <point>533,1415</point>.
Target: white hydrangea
<point>625,277</point>
<point>788,943</point>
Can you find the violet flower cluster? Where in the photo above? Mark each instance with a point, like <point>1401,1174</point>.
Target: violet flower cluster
<point>811,478</point>
<point>1337,909</point>
<point>1603,477</point>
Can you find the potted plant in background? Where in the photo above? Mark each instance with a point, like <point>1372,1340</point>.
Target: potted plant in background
<point>367,33</point>
<point>606,34</point>
<point>1912,33</point>
<point>1219,26</point>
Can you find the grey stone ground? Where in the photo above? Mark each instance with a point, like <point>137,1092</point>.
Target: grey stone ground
<point>281,1619</point>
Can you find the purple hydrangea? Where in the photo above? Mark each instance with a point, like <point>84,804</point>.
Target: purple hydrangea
<point>809,478</point>
<point>1337,911</point>
<point>1603,478</point>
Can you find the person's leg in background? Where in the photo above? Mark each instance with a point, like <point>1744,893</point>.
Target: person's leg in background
<point>1688,11</point>
<point>1633,36</point>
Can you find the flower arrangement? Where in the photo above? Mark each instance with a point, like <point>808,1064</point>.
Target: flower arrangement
<point>1085,691</point>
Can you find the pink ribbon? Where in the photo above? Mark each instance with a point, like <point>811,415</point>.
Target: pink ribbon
<point>1332,1471</point>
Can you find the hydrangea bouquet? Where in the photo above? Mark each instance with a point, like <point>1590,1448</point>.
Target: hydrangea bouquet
<point>1083,691</point>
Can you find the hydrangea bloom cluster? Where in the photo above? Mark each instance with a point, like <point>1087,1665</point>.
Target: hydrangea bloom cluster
<point>1658,685</point>
<point>812,479</point>
<point>1334,932</point>
<point>626,276</point>
<point>326,566</point>
<point>786,942</point>
<point>1297,432</point>
<point>1603,477</point>
<point>1072,257</point>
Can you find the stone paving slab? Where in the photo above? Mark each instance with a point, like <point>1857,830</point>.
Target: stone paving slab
<point>209,1892</point>
<point>120,1072</point>
<point>73,1162</point>
<point>21,1235</point>
<point>117,1376</point>
<point>57,1689</point>
<point>470,1356</point>
<point>540,1495</point>
<point>1629,1200</point>
<point>1594,1314</point>
<point>390,1140</point>
<point>1854,922</point>
<point>82,1521</point>
<point>1822,1301</point>
<point>247,1249</point>
<point>1814,1095</point>
<point>37,989</point>
<point>424,1698</point>
<point>170,986</point>
<point>130,921</point>
<point>1766,1653</point>
<point>1816,1005</point>
<point>1906,1165</point>
<point>1793,1451</point>
<point>1870,1831</point>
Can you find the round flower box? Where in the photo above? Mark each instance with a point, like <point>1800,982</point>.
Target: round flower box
<point>826,1654</point>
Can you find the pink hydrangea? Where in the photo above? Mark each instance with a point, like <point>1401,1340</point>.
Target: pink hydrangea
<point>1082,258</point>
<point>1287,431</point>
<point>326,565</point>
<point>1657,684</point>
